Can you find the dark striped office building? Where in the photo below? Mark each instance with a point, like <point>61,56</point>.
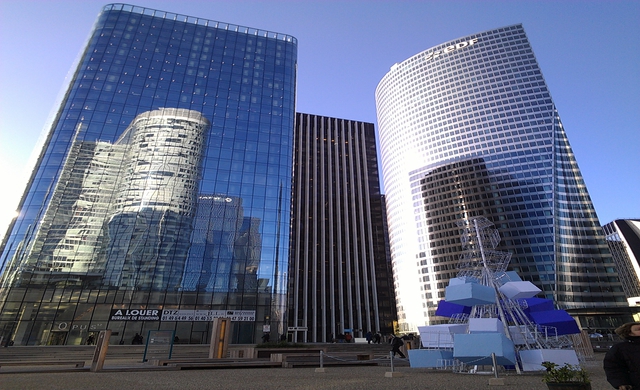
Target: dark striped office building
<point>339,279</point>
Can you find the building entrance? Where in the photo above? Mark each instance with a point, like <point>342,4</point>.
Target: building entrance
<point>57,338</point>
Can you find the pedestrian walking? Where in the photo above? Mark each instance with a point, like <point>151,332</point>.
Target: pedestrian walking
<point>396,343</point>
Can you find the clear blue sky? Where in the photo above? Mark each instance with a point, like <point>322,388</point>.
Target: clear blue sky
<point>588,52</point>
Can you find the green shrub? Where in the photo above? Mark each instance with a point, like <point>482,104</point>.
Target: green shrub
<point>566,373</point>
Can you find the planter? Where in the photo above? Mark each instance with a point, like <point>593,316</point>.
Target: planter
<point>568,386</point>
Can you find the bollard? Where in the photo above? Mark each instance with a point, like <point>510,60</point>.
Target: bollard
<point>495,366</point>
<point>321,368</point>
<point>495,381</point>
<point>392,373</point>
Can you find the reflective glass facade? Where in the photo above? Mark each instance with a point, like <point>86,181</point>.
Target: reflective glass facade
<point>623,237</point>
<point>468,128</point>
<point>340,269</point>
<point>164,184</point>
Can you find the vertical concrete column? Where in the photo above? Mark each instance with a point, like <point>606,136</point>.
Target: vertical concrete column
<point>220,334</point>
<point>99,354</point>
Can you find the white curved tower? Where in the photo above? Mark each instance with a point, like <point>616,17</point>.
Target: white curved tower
<point>165,148</point>
<point>468,128</point>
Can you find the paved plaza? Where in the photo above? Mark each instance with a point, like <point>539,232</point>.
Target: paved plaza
<point>364,377</point>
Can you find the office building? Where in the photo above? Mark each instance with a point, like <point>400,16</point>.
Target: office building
<point>164,187</point>
<point>339,271</point>
<point>468,128</point>
<point>623,237</point>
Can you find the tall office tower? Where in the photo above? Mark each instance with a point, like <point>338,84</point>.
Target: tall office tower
<point>164,184</point>
<point>468,128</point>
<point>339,273</point>
<point>623,237</point>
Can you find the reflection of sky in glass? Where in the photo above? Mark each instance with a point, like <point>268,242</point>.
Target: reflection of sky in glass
<point>225,247</point>
<point>121,202</point>
<point>243,84</point>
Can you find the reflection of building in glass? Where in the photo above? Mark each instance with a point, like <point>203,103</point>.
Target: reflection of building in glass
<point>468,128</point>
<point>225,247</point>
<point>339,270</point>
<point>443,194</point>
<point>623,237</point>
<point>107,219</point>
<point>150,226</point>
<point>126,207</point>
<point>68,246</point>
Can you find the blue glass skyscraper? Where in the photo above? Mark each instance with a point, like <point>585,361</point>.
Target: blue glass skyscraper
<point>164,183</point>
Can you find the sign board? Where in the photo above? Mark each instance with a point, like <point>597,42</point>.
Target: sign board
<point>436,53</point>
<point>135,315</point>
<point>207,315</point>
<point>156,314</point>
<point>159,345</point>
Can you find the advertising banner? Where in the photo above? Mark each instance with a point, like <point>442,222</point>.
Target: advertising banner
<point>207,315</point>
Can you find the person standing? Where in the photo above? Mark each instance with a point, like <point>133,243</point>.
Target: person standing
<point>137,339</point>
<point>622,361</point>
<point>369,337</point>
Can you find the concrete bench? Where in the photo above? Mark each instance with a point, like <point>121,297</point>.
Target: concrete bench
<point>368,356</point>
<point>213,363</point>
<point>173,361</point>
<point>266,353</point>
<point>288,359</point>
<point>77,363</point>
<point>313,360</point>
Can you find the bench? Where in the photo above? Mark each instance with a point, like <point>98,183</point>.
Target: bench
<point>174,361</point>
<point>265,353</point>
<point>288,359</point>
<point>368,356</point>
<point>213,363</point>
<point>306,359</point>
<point>77,363</point>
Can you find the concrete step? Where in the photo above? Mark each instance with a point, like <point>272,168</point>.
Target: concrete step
<point>179,351</point>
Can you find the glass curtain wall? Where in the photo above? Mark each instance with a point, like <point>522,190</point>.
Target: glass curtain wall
<point>161,198</point>
<point>468,128</point>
